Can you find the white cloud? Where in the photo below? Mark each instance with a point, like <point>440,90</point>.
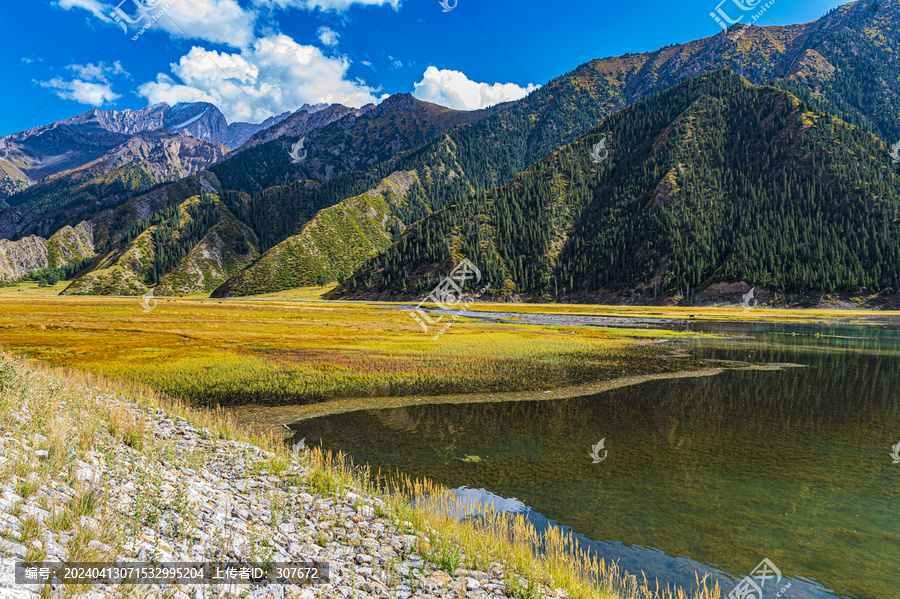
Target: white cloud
<point>216,21</point>
<point>274,75</point>
<point>97,72</point>
<point>95,94</point>
<point>454,90</point>
<point>328,5</point>
<point>328,36</point>
<point>97,8</point>
<point>90,84</point>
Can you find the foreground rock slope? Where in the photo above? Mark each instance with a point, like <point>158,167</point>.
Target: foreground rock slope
<point>88,474</point>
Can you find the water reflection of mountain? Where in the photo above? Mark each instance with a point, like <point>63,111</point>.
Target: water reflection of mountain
<point>656,565</point>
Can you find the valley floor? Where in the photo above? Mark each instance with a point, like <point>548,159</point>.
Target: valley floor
<point>104,465</point>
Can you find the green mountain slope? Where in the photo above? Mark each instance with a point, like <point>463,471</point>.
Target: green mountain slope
<point>189,248</point>
<point>333,244</point>
<point>713,181</point>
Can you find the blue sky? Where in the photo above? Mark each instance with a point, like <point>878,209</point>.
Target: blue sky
<point>254,58</point>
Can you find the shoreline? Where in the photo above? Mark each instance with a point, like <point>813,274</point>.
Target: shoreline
<point>273,419</point>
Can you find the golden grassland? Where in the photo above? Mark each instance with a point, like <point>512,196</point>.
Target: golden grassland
<point>31,288</point>
<point>225,352</point>
<point>79,414</point>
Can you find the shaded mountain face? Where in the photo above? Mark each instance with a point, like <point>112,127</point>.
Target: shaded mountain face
<point>143,161</point>
<point>320,145</point>
<point>302,122</point>
<point>31,156</point>
<point>712,181</point>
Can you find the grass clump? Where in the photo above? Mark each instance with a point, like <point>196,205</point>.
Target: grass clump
<point>31,529</point>
<point>27,487</point>
<point>84,504</point>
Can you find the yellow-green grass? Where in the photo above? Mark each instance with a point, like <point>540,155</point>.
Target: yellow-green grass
<point>685,312</point>
<point>237,351</point>
<point>298,293</point>
<point>30,288</point>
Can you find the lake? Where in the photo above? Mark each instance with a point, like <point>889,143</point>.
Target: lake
<point>708,474</point>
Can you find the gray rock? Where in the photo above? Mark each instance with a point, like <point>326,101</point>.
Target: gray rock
<point>14,549</point>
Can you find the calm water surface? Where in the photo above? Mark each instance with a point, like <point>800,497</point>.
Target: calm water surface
<point>710,474</point>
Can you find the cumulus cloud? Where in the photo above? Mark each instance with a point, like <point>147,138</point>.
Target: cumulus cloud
<point>454,90</point>
<point>94,94</point>
<point>90,84</point>
<point>275,74</point>
<point>216,21</point>
<point>328,5</point>
<point>97,72</point>
<point>328,36</point>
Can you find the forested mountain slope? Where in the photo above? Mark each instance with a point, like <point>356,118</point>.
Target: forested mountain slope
<point>714,180</point>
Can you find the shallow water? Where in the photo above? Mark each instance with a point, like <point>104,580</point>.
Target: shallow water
<point>711,474</point>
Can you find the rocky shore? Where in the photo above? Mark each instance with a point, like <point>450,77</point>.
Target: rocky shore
<point>130,483</point>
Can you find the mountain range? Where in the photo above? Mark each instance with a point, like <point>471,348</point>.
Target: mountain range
<point>699,182</point>
<point>710,182</point>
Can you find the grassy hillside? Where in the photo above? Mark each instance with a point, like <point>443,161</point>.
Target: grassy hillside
<point>191,248</point>
<point>332,245</point>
